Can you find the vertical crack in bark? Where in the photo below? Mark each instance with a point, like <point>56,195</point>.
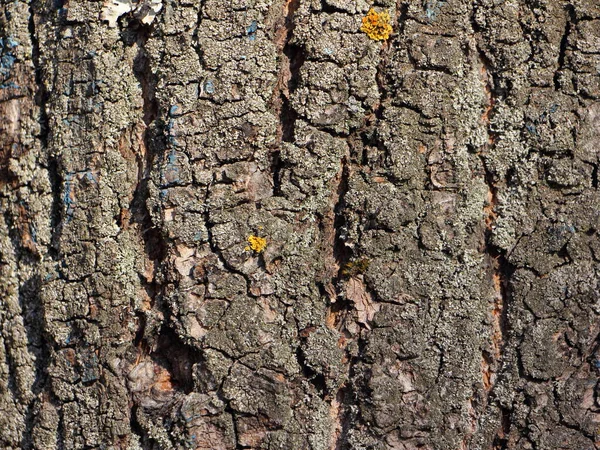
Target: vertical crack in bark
<point>155,247</point>
<point>343,403</point>
<point>151,143</point>
<point>55,208</point>
<point>136,427</point>
<point>60,429</point>
<point>291,59</point>
<point>501,439</point>
<point>41,94</point>
<point>41,97</point>
<point>341,253</point>
<point>501,269</point>
<point>30,281</point>
<point>571,19</point>
<point>316,379</point>
<point>32,311</point>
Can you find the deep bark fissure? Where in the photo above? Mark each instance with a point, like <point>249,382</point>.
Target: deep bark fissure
<point>60,430</point>
<point>342,307</point>
<point>501,269</point>
<point>41,95</point>
<point>291,58</point>
<point>177,357</point>
<point>294,56</point>
<point>346,417</point>
<point>232,412</point>
<point>136,427</point>
<point>154,243</point>
<point>32,311</point>
<point>55,208</point>
<point>366,135</point>
<point>341,252</point>
<point>348,393</point>
<point>314,378</point>
<point>500,441</point>
<point>564,42</point>
<point>41,98</point>
<point>502,272</point>
<point>343,255</point>
<point>153,142</point>
<point>11,380</point>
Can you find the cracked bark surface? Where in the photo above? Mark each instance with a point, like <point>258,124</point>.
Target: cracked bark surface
<point>430,205</point>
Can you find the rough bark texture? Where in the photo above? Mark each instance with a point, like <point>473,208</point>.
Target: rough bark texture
<point>430,206</point>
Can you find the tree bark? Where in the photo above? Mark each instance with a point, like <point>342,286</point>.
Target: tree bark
<point>428,203</point>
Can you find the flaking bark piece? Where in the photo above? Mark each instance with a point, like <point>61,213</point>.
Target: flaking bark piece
<point>145,11</point>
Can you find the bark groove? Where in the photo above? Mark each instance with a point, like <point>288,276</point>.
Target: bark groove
<point>247,225</point>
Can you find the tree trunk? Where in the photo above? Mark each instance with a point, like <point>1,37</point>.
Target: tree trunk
<point>236,224</point>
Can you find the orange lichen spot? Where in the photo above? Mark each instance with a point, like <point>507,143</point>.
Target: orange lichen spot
<point>376,25</point>
<point>257,244</point>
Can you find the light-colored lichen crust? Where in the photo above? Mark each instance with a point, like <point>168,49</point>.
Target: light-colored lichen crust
<point>255,224</point>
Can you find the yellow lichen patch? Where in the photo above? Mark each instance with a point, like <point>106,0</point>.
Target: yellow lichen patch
<point>376,25</point>
<point>257,244</point>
